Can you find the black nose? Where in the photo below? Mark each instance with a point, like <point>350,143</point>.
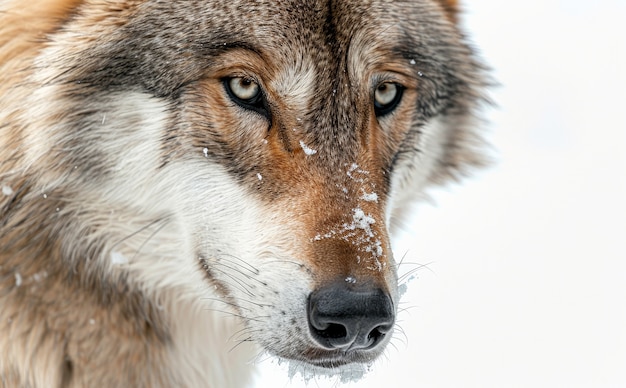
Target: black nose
<point>344,318</point>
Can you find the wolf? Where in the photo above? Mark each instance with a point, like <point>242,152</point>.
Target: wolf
<point>186,185</point>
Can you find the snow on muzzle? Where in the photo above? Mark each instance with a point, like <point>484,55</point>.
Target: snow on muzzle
<point>352,306</point>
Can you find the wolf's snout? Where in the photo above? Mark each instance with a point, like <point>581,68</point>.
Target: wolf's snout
<point>345,318</point>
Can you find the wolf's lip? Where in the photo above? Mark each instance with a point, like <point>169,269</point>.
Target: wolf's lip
<point>333,360</point>
<point>331,363</point>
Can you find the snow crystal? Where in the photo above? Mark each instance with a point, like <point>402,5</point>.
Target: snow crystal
<point>6,190</point>
<point>350,279</point>
<point>319,237</point>
<point>376,249</point>
<point>18,279</point>
<point>402,288</point>
<point>412,61</point>
<point>360,220</point>
<point>345,374</point>
<point>307,150</point>
<point>259,176</point>
<point>45,195</point>
<point>118,259</point>
<point>355,168</point>
<point>366,241</point>
<point>206,152</point>
<point>40,275</point>
<point>92,321</point>
<point>370,197</point>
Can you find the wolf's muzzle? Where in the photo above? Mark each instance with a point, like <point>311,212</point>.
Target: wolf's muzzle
<point>342,317</point>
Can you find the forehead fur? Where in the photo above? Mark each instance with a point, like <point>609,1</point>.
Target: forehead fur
<point>166,44</point>
<point>321,55</point>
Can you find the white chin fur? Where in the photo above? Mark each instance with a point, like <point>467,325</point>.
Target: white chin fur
<point>187,214</point>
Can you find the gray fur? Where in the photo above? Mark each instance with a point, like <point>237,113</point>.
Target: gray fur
<point>117,135</point>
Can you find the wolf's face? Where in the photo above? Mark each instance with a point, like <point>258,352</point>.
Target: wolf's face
<point>267,147</point>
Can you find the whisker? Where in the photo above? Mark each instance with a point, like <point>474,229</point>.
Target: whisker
<point>158,229</point>
<point>227,303</point>
<point>230,313</point>
<point>243,287</point>
<point>402,259</point>
<point>238,271</point>
<point>253,303</point>
<point>258,358</point>
<point>244,264</point>
<point>398,339</point>
<point>400,330</point>
<point>406,309</point>
<point>284,261</point>
<point>143,228</point>
<point>411,272</point>
<point>242,332</point>
<point>249,339</point>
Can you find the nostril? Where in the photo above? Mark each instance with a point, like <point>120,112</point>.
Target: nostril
<point>344,318</point>
<point>378,333</point>
<point>381,330</point>
<point>374,335</point>
<point>333,331</point>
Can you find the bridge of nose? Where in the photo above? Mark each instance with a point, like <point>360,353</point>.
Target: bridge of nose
<point>339,214</point>
<point>353,244</point>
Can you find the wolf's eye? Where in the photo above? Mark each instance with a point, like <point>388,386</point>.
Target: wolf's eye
<point>243,88</point>
<point>247,94</point>
<point>387,96</point>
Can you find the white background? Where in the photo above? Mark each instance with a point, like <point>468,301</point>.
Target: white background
<point>526,278</point>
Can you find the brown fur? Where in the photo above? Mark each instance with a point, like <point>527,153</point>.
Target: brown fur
<point>451,7</point>
<point>23,30</point>
<point>70,319</point>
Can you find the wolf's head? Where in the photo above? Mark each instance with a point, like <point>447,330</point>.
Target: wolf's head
<point>260,150</point>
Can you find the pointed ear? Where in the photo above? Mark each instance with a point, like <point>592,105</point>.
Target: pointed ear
<point>451,7</point>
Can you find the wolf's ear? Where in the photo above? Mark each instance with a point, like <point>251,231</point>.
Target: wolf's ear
<point>451,7</point>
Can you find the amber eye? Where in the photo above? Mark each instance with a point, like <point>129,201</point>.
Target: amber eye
<point>247,94</point>
<point>387,96</point>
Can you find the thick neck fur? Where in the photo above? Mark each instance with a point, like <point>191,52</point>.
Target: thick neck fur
<point>64,316</point>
